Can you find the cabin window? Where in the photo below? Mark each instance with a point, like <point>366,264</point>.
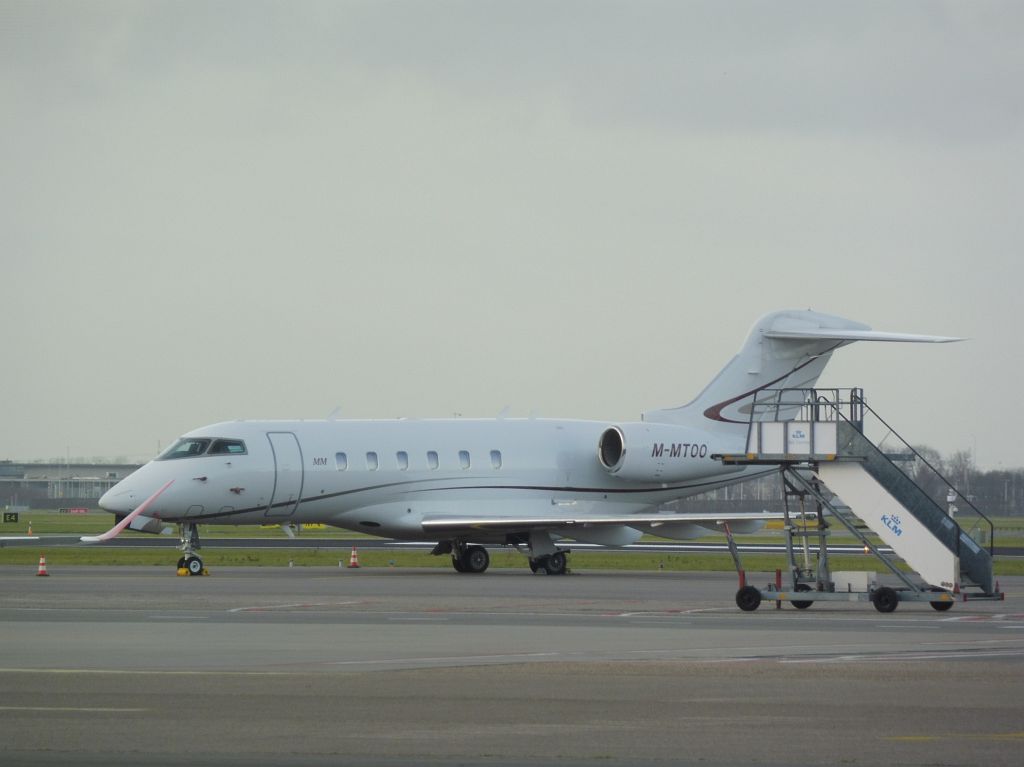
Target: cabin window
<point>341,461</point>
<point>227,447</point>
<point>495,459</point>
<point>185,448</point>
<point>432,461</point>
<point>464,459</point>
<point>371,461</point>
<point>403,460</point>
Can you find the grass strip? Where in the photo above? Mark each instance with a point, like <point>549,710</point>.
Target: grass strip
<point>580,560</point>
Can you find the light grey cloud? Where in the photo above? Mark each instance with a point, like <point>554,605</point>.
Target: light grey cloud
<point>228,210</point>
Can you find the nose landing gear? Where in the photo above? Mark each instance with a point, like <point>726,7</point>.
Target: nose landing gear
<point>190,563</point>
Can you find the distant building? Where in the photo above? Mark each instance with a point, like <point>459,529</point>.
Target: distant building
<point>56,485</point>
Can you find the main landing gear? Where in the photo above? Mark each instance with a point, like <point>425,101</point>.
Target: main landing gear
<point>467,558</point>
<point>470,559</point>
<point>190,563</point>
<point>551,564</point>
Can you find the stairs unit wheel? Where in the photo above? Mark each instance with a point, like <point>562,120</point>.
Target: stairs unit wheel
<point>802,604</point>
<point>943,605</point>
<point>885,599</point>
<point>748,598</point>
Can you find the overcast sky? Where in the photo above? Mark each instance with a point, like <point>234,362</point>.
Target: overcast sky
<point>223,210</point>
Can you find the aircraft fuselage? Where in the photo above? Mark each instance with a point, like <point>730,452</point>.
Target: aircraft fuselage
<point>385,477</point>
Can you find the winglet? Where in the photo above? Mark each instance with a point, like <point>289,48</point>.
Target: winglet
<point>116,529</point>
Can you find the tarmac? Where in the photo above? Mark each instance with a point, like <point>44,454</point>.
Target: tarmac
<point>379,666</point>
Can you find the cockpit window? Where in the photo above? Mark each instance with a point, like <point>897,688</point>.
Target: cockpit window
<point>186,447</point>
<point>227,447</point>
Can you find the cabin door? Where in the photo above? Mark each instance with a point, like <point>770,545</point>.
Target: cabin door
<point>287,473</point>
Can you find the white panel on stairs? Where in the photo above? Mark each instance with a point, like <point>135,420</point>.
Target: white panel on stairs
<point>896,526</point>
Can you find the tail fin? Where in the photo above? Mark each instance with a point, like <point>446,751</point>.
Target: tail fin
<point>785,350</point>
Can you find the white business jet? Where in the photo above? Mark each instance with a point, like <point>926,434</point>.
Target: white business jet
<point>528,483</point>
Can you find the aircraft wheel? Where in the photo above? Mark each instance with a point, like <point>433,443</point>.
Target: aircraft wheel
<point>457,564</point>
<point>556,564</point>
<point>885,599</point>
<point>748,598</point>
<point>194,565</point>
<point>941,606</point>
<point>802,604</point>
<point>181,562</point>
<point>475,560</point>
<point>534,565</point>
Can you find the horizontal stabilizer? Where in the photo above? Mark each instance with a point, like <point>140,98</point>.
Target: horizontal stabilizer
<point>843,334</point>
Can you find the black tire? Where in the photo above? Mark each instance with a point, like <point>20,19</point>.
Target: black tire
<point>181,562</point>
<point>534,565</point>
<point>885,599</point>
<point>556,564</point>
<point>457,564</point>
<point>475,559</point>
<point>194,565</point>
<point>941,606</point>
<point>748,598</point>
<point>802,604</point>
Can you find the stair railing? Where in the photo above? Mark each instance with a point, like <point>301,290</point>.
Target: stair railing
<point>849,405</point>
<point>981,529</point>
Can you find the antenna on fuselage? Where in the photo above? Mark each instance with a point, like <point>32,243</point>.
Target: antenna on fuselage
<point>334,414</point>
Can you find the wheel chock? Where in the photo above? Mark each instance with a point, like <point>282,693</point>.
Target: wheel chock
<point>182,571</point>
<point>205,572</point>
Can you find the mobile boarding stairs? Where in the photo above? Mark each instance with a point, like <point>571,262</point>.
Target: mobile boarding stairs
<point>832,471</point>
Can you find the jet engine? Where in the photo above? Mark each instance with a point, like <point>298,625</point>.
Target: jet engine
<point>655,452</point>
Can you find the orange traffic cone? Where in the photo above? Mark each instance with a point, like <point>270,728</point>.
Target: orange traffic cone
<point>353,561</point>
<point>42,565</point>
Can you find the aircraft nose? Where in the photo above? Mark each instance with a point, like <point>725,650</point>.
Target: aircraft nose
<point>118,500</point>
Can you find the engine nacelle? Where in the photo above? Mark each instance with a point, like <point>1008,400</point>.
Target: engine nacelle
<point>655,452</point>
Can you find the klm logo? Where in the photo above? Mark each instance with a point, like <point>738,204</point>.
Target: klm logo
<point>893,523</point>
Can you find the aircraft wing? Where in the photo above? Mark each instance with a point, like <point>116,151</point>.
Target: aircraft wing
<point>444,524</point>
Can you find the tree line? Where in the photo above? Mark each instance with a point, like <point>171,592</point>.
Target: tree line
<point>998,492</point>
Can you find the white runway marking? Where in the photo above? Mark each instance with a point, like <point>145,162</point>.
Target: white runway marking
<point>666,613</point>
<point>445,659</point>
<point>902,658</point>
<point>262,608</point>
<point>142,672</point>
<point>77,709</point>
